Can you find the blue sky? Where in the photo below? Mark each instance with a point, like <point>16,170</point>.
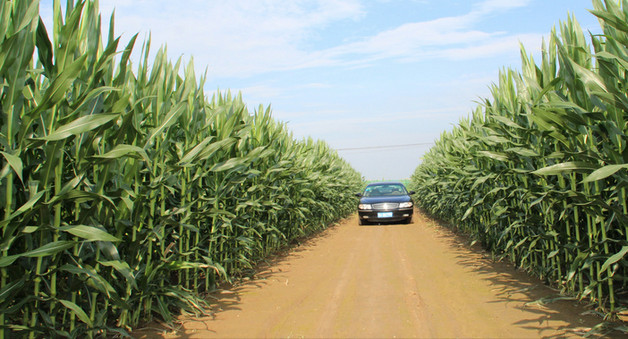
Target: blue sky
<point>355,73</point>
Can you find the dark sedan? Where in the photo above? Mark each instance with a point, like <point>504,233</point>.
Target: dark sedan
<point>385,202</point>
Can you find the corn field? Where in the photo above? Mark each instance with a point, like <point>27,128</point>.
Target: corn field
<point>128,192</point>
<point>538,173</point>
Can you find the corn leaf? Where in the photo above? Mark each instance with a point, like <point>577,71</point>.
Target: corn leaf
<point>604,172</point>
<point>78,126</point>
<point>566,167</point>
<point>89,233</point>
<point>78,311</point>
<point>614,258</point>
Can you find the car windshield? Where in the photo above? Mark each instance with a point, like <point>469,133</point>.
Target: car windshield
<point>384,190</point>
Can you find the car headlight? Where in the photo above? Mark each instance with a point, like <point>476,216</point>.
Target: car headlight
<point>405,204</point>
<point>365,206</point>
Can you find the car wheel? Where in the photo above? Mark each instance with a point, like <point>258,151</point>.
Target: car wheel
<point>363,222</point>
<point>408,220</point>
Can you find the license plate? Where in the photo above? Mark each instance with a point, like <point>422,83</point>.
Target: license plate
<point>384,214</point>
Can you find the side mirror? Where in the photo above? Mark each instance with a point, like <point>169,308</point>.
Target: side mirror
<point>411,192</point>
<point>359,195</point>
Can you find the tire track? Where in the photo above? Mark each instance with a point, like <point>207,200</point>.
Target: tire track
<point>414,302</point>
<point>330,314</point>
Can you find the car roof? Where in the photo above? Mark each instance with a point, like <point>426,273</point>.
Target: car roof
<point>386,183</point>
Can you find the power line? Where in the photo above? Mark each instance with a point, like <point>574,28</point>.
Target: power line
<point>384,147</point>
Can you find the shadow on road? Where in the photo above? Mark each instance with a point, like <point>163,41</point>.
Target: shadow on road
<point>512,285</point>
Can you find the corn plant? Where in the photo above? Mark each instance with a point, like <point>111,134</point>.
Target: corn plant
<point>538,173</point>
<point>127,191</point>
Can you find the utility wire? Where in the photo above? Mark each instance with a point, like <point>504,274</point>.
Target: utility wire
<point>384,147</point>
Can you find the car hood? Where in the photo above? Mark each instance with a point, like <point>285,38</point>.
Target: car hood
<point>375,200</point>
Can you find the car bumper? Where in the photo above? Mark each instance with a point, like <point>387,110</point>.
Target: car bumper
<point>385,216</point>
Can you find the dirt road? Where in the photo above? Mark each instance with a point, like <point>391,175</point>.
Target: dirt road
<point>388,281</point>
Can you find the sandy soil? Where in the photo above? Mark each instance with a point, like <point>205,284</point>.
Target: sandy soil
<point>386,281</point>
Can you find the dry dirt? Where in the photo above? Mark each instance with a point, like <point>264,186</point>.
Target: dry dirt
<point>385,281</point>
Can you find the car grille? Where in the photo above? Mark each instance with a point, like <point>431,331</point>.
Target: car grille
<point>386,206</point>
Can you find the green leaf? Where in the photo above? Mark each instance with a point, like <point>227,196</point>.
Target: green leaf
<point>87,100</point>
<point>614,258</point>
<point>494,155</point>
<point>506,121</point>
<point>7,291</point>
<point>78,311</point>
<point>180,265</point>
<point>49,249</point>
<point>80,196</point>
<point>123,268</point>
<point>93,278</point>
<point>60,85</point>
<point>566,167</point>
<point>46,250</point>
<point>8,260</point>
<point>604,172</point>
<point>24,208</point>
<point>494,140</point>
<point>78,126</point>
<point>467,213</point>
<point>524,152</point>
<point>89,233</point>
<point>170,119</point>
<point>194,152</point>
<point>611,19</point>
<point>15,162</point>
<point>44,49</point>
<point>609,56</point>
<point>590,78</point>
<point>552,254</point>
<point>27,17</point>
<point>227,165</point>
<point>124,150</point>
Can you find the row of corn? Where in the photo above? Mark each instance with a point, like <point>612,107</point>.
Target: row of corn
<point>128,193</point>
<point>539,173</point>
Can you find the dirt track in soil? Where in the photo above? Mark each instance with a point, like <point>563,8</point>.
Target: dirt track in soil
<point>385,281</point>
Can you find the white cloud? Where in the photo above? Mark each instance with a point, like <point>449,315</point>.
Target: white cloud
<point>243,38</point>
<point>260,91</point>
<point>453,38</point>
<point>234,38</point>
<point>411,40</point>
<point>266,92</point>
<point>490,6</point>
<point>490,48</point>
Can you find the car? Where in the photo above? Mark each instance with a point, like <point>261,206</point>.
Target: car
<point>385,202</point>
